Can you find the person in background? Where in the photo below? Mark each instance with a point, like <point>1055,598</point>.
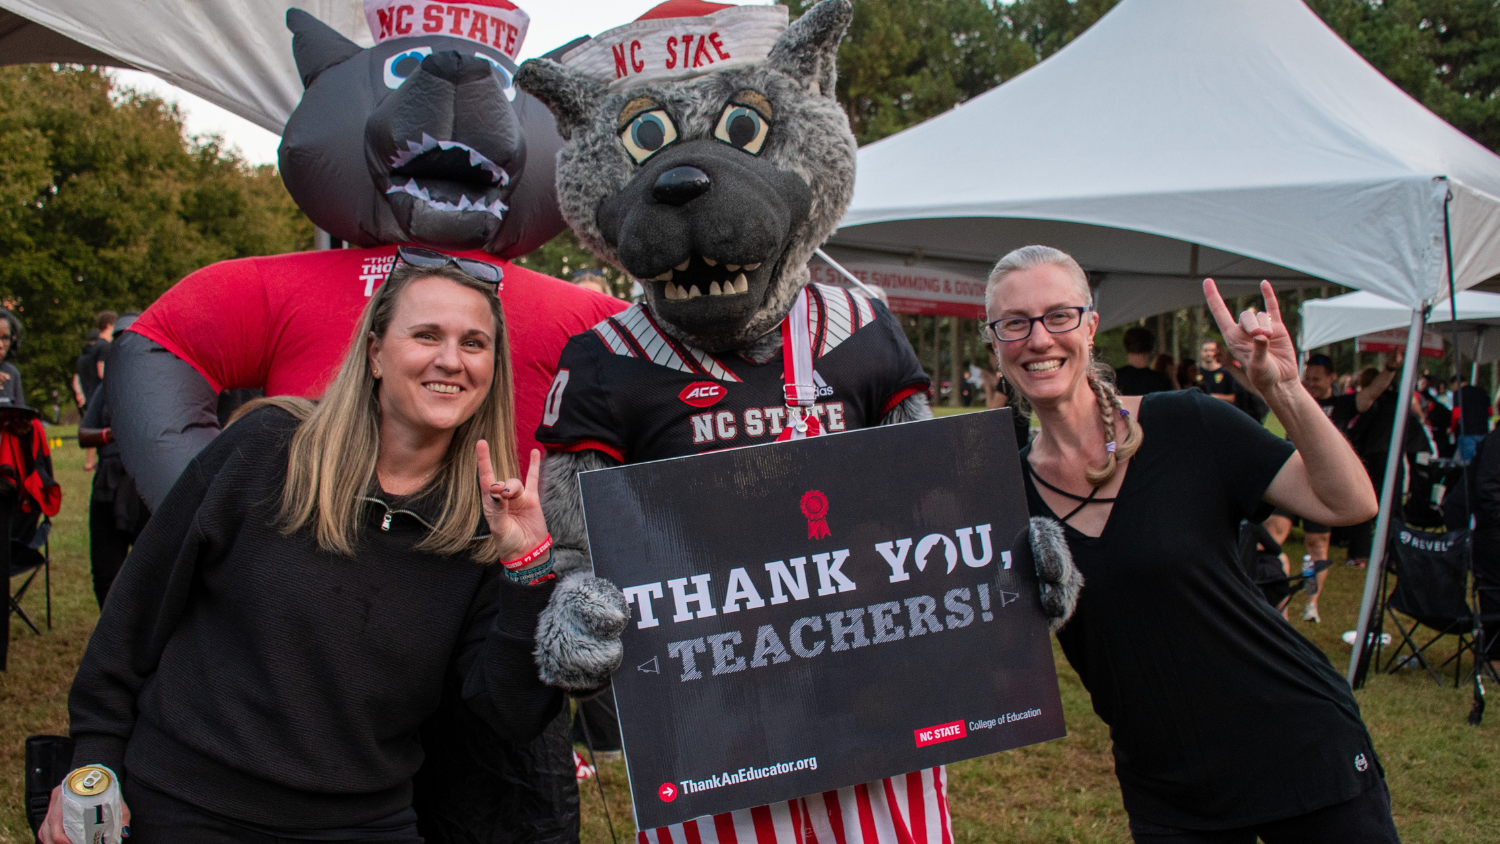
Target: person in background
<point>998,393</point>
<point>1135,378</point>
<point>1166,366</point>
<point>1213,377</point>
<point>88,371</point>
<point>11,391</point>
<point>1371,436</point>
<point>594,280</point>
<point>1485,487</point>
<point>1318,378</point>
<point>1471,418</point>
<point>1187,374</point>
<point>117,513</point>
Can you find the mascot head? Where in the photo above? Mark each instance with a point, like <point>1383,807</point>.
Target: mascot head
<point>706,156</point>
<point>422,137</point>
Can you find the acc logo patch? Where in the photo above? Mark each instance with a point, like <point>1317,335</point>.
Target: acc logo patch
<point>702,393</point>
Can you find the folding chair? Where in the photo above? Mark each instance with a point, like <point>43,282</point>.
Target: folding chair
<point>1260,555</point>
<point>30,556</point>
<point>1432,585</point>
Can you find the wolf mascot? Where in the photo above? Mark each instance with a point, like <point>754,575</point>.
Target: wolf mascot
<point>421,139</point>
<point>706,155</point>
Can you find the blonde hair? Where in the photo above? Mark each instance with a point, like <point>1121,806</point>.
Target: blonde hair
<point>1101,378</point>
<point>333,452</point>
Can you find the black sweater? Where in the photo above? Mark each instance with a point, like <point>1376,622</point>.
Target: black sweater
<point>256,676</point>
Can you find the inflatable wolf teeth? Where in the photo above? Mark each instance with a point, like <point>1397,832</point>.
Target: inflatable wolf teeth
<point>707,157</point>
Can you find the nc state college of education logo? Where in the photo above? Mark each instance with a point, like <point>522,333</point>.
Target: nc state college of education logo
<point>815,508</point>
<point>702,393</point>
<point>667,792</point>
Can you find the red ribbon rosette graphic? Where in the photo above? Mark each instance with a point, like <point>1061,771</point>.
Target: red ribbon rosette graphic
<point>815,508</point>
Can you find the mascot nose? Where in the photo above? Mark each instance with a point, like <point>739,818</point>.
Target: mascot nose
<point>453,66</point>
<point>680,185</point>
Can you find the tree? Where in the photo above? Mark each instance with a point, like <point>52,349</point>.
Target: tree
<point>1444,53</point>
<point>104,204</point>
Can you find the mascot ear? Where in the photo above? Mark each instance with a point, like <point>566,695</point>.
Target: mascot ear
<point>317,46</point>
<point>569,95</point>
<point>809,48</point>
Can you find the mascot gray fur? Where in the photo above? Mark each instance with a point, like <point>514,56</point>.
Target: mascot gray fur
<point>718,222</point>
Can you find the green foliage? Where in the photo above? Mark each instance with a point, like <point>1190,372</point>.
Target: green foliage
<point>562,256</point>
<point>907,60</point>
<point>1445,53</point>
<point>105,204</point>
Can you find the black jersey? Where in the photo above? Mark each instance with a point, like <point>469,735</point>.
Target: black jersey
<point>627,389</point>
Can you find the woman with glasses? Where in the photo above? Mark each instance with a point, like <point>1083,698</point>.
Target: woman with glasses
<point>291,614</point>
<point>1227,724</point>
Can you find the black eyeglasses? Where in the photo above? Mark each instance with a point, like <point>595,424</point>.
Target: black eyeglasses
<point>1060,321</point>
<point>429,259</point>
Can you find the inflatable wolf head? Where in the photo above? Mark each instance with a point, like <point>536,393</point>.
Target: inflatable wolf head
<point>706,156</point>
<point>422,137</point>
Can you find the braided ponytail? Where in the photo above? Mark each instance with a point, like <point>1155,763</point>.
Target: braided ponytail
<point>1101,381</point>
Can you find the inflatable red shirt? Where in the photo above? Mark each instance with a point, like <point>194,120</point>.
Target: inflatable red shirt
<point>283,323</point>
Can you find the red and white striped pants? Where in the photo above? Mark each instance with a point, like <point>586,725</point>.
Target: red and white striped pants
<point>907,809</point>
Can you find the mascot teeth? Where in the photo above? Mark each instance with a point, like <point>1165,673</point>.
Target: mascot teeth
<point>682,267</point>
<point>741,285</point>
<point>496,208</point>
<point>666,276</point>
<point>429,143</point>
<point>714,289</point>
<point>709,261</point>
<point>694,293</point>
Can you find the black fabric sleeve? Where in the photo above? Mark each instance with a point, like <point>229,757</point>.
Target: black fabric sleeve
<point>151,594</point>
<point>1246,455</point>
<point>906,372</point>
<point>577,414</point>
<point>494,658</point>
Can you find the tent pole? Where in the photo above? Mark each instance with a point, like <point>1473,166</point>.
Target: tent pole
<point>1388,488</point>
<point>845,273</point>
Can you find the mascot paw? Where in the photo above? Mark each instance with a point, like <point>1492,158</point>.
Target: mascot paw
<point>1061,581</point>
<point>578,635</point>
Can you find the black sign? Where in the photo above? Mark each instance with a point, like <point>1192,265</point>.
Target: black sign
<point>816,614</point>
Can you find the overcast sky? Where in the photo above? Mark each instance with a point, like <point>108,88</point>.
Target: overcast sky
<point>553,23</point>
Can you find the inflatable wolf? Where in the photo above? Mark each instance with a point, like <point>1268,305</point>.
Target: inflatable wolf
<point>420,139</point>
<point>707,157</point>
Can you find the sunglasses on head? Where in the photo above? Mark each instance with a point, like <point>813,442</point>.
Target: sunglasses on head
<point>429,259</point>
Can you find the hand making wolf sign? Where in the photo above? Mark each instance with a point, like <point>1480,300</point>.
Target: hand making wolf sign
<point>512,509</point>
<point>1259,341</point>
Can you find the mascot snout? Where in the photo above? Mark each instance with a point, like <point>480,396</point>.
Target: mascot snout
<point>705,226</point>
<point>446,148</point>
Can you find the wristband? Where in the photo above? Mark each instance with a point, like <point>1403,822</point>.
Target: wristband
<point>530,557</point>
<point>534,575</point>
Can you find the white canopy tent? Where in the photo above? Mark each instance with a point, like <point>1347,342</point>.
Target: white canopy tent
<point>1244,127</point>
<point>236,54</point>
<point>1356,314</point>
<point>1177,139</point>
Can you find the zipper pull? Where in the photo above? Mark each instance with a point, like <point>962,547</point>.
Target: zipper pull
<point>385,524</point>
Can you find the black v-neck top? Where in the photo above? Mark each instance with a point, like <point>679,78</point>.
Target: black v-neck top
<point>1221,714</point>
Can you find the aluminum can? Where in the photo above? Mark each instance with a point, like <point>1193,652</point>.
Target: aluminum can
<point>92,807</point>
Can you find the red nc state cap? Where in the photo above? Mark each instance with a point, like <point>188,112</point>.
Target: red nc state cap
<point>680,39</point>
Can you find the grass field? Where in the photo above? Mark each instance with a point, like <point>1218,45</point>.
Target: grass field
<point>1444,775</point>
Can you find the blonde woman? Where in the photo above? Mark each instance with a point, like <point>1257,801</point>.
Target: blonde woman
<point>1227,724</point>
<point>289,616</point>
